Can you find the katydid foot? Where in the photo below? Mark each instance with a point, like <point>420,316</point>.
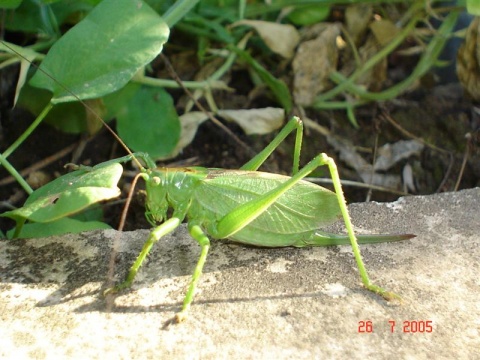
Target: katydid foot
<point>181,316</point>
<point>117,288</point>
<point>387,295</point>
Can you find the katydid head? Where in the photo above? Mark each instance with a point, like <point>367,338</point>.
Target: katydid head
<point>156,204</point>
<point>171,188</point>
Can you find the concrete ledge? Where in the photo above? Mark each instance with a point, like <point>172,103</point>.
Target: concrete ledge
<point>253,303</point>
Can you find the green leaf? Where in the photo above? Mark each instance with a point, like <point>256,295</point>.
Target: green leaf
<point>102,52</point>
<point>473,7</point>
<point>70,193</point>
<point>309,14</point>
<point>58,227</point>
<point>26,57</point>
<point>146,119</point>
<point>59,205</point>
<point>35,17</point>
<point>10,4</point>
<point>93,213</point>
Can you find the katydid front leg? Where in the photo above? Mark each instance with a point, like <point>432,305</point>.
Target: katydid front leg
<point>160,231</point>
<point>157,233</point>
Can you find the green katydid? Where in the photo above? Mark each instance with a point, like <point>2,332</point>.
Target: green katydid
<point>250,207</point>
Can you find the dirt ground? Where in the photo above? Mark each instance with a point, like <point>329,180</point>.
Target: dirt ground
<point>441,116</point>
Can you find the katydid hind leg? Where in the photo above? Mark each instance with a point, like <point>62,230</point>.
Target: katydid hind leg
<point>293,124</point>
<point>246,213</point>
<point>157,233</point>
<point>197,233</point>
<point>324,159</point>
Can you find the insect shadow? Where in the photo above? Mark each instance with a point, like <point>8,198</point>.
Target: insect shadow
<point>78,265</point>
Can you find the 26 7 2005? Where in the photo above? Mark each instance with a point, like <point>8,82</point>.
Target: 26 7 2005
<point>407,326</point>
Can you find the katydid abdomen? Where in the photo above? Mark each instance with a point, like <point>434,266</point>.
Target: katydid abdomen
<point>289,221</point>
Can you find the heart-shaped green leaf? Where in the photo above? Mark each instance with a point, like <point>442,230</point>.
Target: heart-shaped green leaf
<point>146,119</point>
<point>102,52</point>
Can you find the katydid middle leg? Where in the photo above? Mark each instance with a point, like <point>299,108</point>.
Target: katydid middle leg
<point>149,163</point>
<point>197,233</point>
<point>244,214</point>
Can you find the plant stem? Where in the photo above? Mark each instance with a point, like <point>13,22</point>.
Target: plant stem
<point>9,167</point>
<point>427,60</point>
<point>27,132</point>
<point>370,63</point>
<point>146,80</point>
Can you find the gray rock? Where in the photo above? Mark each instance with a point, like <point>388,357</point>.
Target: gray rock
<point>253,303</point>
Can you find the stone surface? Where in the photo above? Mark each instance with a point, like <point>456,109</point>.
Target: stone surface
<point>253,303</point>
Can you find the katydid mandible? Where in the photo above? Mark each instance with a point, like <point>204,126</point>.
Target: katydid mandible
<point>250,207</point>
